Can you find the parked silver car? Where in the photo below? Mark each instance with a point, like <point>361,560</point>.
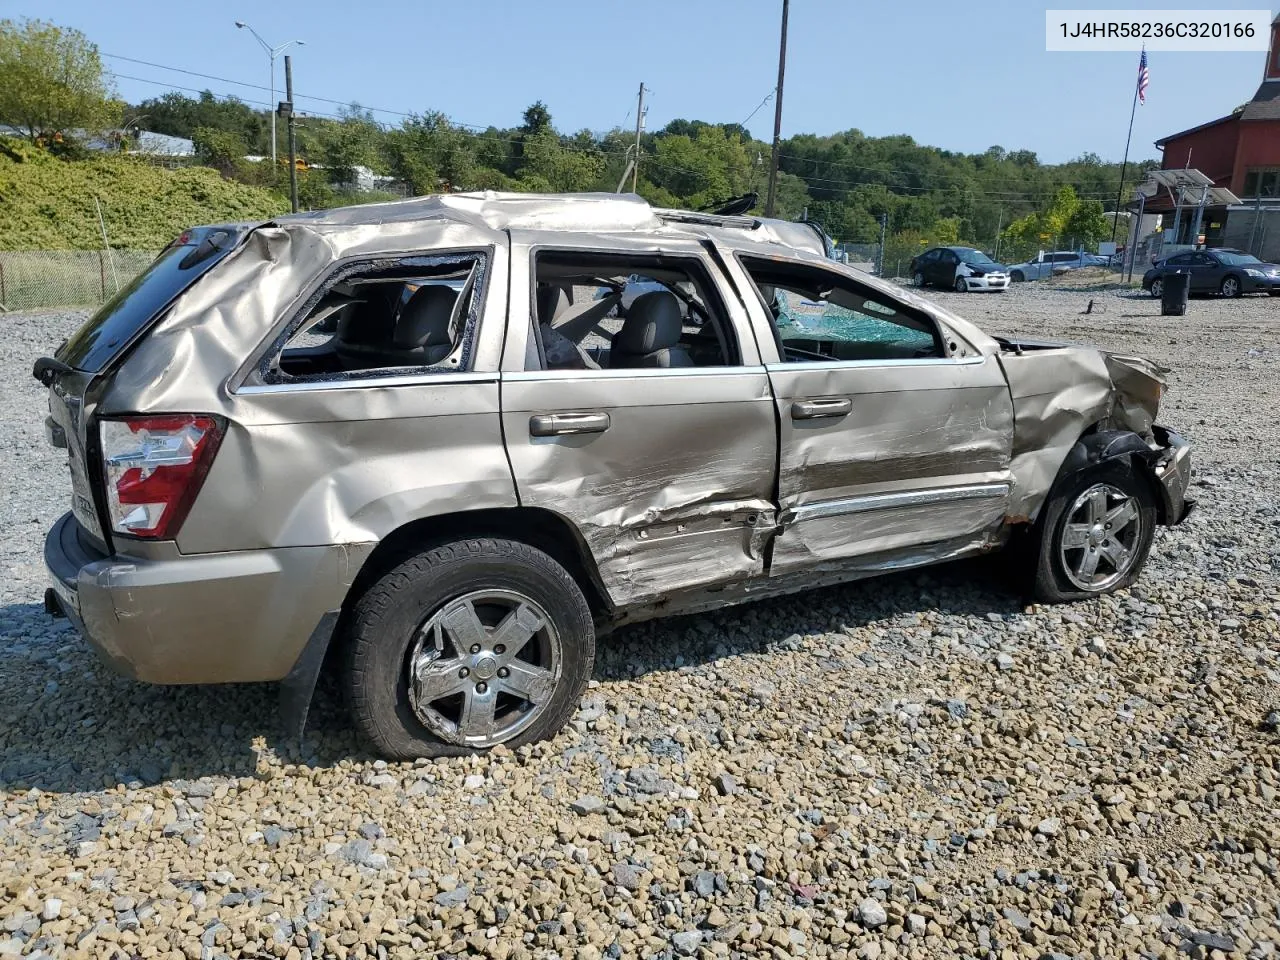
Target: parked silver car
<point>1048,264</point>
<point>483,465</point>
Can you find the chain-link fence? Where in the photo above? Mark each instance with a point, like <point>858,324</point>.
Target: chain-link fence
<point>30,279</point>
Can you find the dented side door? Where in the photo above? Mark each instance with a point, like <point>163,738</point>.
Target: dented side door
<point>667,474</point>
<point>885,463</point>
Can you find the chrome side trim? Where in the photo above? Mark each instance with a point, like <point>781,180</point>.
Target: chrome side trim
<point>407,380</point>
<point>889,501</point>
<point>800,366</point>
<point>622,373</point>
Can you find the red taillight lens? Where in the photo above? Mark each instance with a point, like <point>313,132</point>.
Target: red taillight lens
<point>154,467</point>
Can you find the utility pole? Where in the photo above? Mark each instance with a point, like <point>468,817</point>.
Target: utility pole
<point>286,110</point>
<point>635,167</point>
<point>884,228</point>
<point>777,114</point>
<point>999,224</point>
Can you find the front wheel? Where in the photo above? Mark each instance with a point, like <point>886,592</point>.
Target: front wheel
<point>1157,288</point>
<point>918,279</point>
<point>1095,533</point>
<point>465,646</point>
<point>961,286</point>
<point>1017,277</point>
<point>1231,287</point>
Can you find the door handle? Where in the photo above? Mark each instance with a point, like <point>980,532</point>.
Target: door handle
<point>816,409</point>
<point>567,424</point>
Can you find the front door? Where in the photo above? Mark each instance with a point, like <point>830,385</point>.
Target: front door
<point>895,438</point>
<point>654,438</point>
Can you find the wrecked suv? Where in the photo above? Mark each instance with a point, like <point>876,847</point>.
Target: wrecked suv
<point>439,444</point>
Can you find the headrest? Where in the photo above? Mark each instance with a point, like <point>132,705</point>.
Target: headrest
<point>425,320</point>
<point>552,301</point>
<point>768,292</point>
<point>654,322</point>
<point>370,318</point>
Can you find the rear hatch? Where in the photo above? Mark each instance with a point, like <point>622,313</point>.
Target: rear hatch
<point>78,373</point>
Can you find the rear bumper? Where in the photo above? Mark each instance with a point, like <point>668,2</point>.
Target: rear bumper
<point>208,618</point>
<point>1172,470</point>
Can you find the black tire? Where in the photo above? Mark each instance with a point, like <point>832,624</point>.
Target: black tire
<point>1017,277</point>
<point>1052,583</point>
<point>919,280</point>
<point>961,286</point>
<point>1232,286</point>
<point>386,619</point>
<point>1157,288</point>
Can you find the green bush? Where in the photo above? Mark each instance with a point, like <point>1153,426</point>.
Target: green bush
<point>47,203</point>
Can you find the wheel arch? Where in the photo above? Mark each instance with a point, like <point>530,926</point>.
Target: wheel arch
<point>1097,446</point>
<point>537,527</point>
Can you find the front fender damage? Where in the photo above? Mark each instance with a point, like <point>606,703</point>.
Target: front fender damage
<point>1059,393</point>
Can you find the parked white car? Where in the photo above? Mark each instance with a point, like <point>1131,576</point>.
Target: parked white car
<point>1049,263</point>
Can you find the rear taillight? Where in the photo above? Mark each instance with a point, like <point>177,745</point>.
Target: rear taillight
<point>154,467</point>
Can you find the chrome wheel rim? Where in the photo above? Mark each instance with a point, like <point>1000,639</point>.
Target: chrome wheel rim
<point>483,667</point>
<point>1100,538</point>
<point>1156,287</point>
<point>1229,287</point>
<point>961,286</point>
<point>919,279</point>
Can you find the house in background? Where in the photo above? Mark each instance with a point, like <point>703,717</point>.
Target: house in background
<point>1241,153</point>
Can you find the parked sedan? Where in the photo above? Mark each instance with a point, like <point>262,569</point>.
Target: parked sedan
<point>1054,262</point>
<point>456,490</point>
<point>961,269</point>
<point>1219,270</point>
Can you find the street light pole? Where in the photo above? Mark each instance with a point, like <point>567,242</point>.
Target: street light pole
<point>272,53</point>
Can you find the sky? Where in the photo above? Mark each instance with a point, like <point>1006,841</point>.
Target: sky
<point>962,76</point>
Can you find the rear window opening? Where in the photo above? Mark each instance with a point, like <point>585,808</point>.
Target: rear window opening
<point>407,315</point>
<point>609,311</point>
<point>127,315</point>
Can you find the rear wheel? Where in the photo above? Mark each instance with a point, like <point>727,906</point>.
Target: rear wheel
<point>1231,286</point>
<point>1157,288</point>
<point>1017,277</point>
<point>467,645</point>
<point>1094,534</point>
<point>918,279</point>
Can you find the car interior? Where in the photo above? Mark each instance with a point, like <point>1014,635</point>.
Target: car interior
<point>408,316</point>
<point>606,312</point>
<point>819,316</point>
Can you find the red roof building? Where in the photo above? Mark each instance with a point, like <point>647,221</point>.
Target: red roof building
<point>1240,152</point>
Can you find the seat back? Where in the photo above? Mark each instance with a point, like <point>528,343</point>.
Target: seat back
<point>650,335</point>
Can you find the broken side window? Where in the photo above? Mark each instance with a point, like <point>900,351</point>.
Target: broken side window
<point>372,319</point>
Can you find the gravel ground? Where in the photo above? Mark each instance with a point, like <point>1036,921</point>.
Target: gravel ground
<point>916,766</point>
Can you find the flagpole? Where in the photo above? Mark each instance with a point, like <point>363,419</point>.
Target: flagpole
<point>1124,166</point>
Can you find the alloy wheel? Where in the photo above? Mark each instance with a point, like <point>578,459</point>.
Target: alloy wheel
<point>483,667</point>
<point>1100,538</point>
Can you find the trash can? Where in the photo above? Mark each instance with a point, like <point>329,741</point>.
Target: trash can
<point>1173,299</point>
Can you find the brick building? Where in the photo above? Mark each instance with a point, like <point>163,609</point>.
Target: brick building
<point>1240,152</point>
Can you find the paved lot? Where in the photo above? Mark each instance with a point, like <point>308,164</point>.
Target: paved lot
<point>917,766</point>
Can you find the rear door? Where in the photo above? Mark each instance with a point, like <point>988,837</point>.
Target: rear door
<point>667,473</point>
<point>946,272</point>
<point>895,436</point>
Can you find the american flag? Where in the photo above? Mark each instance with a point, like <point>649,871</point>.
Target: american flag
<point>1143,76</point>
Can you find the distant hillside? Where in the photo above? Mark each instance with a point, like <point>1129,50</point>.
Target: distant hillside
<point>47,203</point>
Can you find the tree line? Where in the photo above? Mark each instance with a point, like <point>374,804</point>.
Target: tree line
<point>845,180</point>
